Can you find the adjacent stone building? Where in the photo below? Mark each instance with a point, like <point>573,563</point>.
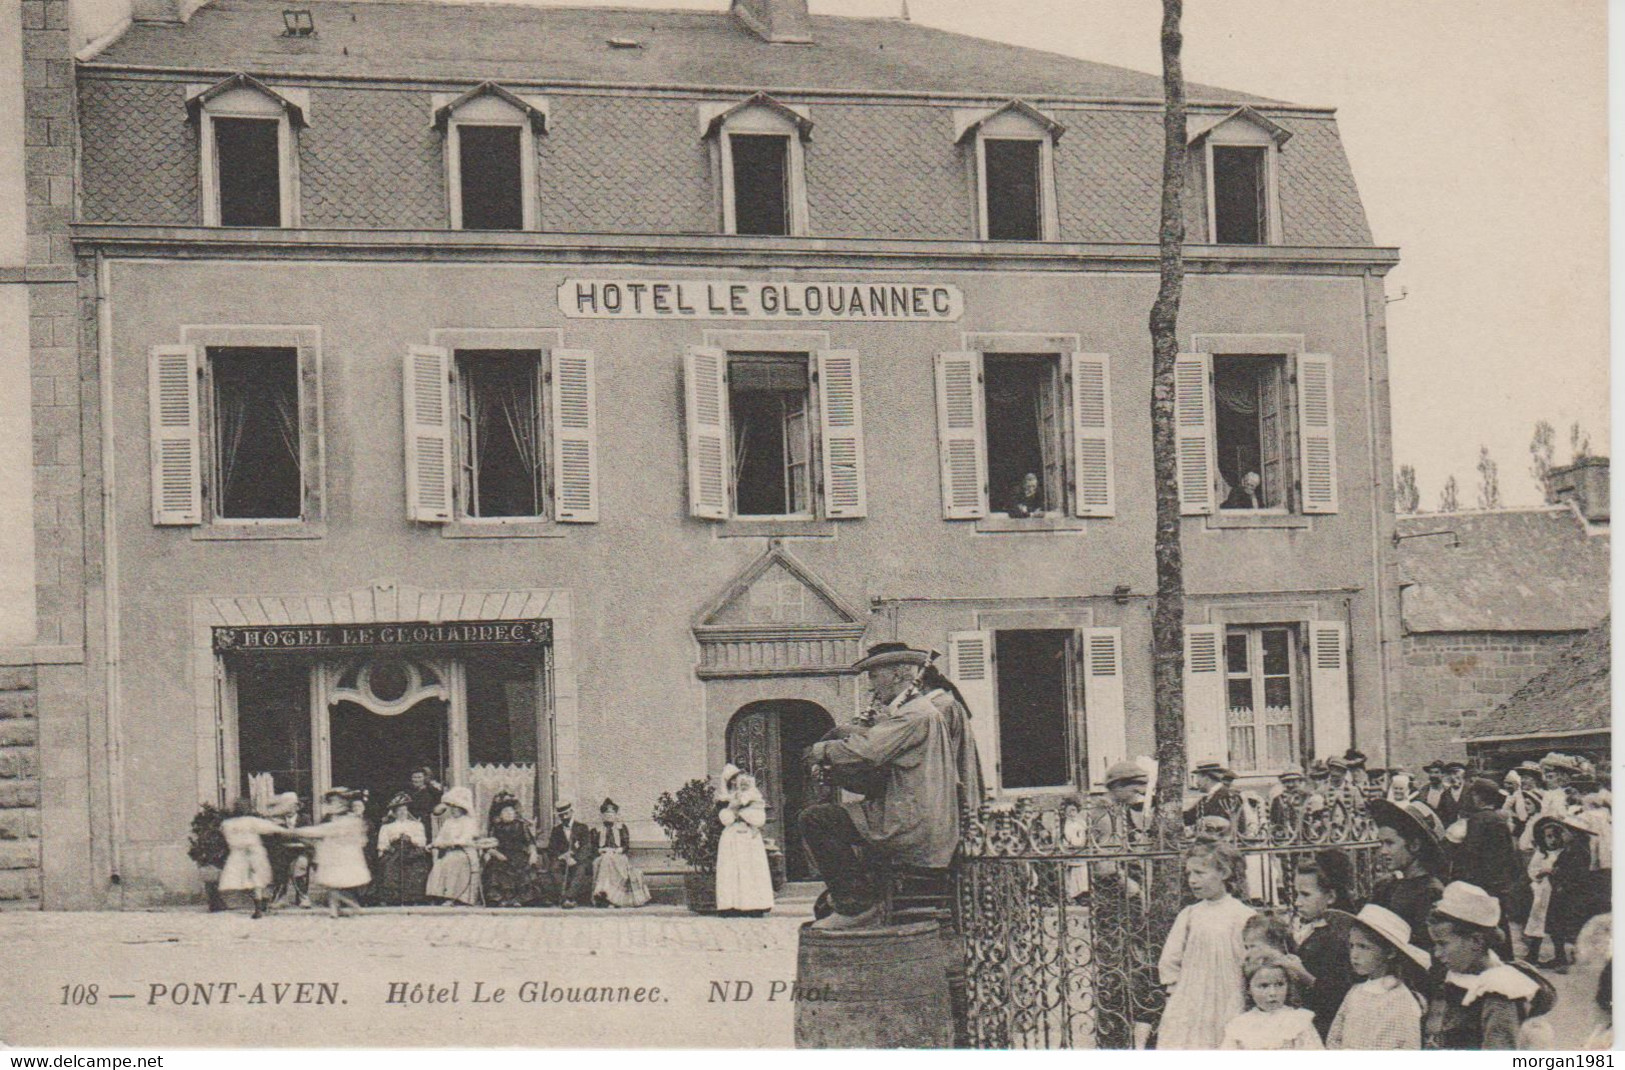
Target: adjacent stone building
<point>1488,601</point>
<point>562,398</point>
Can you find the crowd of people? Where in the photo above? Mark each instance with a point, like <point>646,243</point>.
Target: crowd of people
<point>1482,886</point>
<point>430,848</point>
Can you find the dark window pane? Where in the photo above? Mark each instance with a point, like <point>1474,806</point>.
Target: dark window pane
<point>488,157</point>
<point>1019,390</point>
<point>1278,691</point>
<point>257,433</point>
<point>273,723</point>
<point>1235,652</point>
<point>1033,708</point>
<point>504,433</point>
<point>1238,195</point>
<point>1012,190</point>
<point>761,189</point>
<point>249,173</point>
<point>501,709</point>
<point>1276,657</point>
<point>1241,694</point>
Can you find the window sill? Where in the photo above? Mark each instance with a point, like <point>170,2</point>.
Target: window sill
<point>1239,520</point>
<point>219,532</point>
<point>520,529</point>
<point>1001,523</point>
<point>775,528</point>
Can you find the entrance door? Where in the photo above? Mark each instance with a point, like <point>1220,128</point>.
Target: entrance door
<point>766,739</point>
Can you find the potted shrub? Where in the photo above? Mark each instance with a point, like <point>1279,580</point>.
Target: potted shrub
<point>208,850</point>
<point>689,819</point>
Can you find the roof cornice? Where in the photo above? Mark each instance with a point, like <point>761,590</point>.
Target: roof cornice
<point>711,250</point>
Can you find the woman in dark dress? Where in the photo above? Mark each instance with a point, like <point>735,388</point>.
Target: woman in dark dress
<point>426,792</point>
<point>403,856</point>
<point>1410,835</point>
<point>510,866</point>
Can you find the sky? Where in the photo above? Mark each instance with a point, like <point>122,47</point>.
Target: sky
<point>1477,130</point>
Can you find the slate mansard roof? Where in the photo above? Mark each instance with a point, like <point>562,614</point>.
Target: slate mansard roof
<point>560,45</point>
<point>1507,570</point>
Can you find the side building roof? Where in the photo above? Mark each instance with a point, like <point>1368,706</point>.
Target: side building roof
<point>396,39</point>
<point>1572,696</point>
<point>1506,570</point>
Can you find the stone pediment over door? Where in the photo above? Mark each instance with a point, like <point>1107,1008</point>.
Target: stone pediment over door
<point>778,619</point>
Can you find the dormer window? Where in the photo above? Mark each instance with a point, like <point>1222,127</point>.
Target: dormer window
<point>1239,155</point>
<point>248,159</point>
<point>757,148</point>
<point>491,156</point>
<point>1014,149</point>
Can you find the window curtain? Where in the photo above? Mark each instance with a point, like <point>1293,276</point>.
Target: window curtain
<point>233,417</point>
<point>516,401</point>
<point>238,422</point>
<point>1241,400</point>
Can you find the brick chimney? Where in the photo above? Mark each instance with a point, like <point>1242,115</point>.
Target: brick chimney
<point>1585,483</point>
<point>779,22</point>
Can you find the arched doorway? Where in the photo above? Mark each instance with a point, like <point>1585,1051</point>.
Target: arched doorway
<point>766,739</point>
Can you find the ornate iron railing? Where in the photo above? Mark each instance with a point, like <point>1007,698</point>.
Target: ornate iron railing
<point>1063,912</point>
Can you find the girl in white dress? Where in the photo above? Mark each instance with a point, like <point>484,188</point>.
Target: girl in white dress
<point>341,843</point>
<point>248,865</point>
<point>1201,962</point>
<point>744,881</point>
<point>1271,1023</point>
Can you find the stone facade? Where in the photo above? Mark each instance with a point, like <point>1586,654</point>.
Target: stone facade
<point>1449,680</point>
<point>19,785</point>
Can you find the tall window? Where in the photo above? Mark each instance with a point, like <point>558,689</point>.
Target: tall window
<point>1240,195</point>
<point>1262,696</point>
<point>1025,440</point>
<point>768,411</point>
<point>248,172</point>
<point>257,433</point>
<point>1014,189</point>
<point>273,723</point>
<point>1253,431</point>
<point>491,172</point>
<point>499,448</point>
<point>1036,682</point>
<point>761,177</point>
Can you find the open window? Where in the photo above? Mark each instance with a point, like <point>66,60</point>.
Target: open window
<point>1046,703</point>
<point>248,158</point>
<point>1025,435</point>
<point>757,149</point>
<point>495,436</point>
<point>490,143</point>
<point>1239,156</point>
<point>235,436</point>
<point>774,435</point>
<point>1255,433</point>
<point>1014,148</point>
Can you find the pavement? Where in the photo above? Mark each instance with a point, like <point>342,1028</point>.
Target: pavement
<point>433,977</point>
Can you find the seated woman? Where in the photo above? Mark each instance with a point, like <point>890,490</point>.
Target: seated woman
<point>455,876</point>
<point>510,865</point>
<point>403,856</point>
<point>1026,497</point>
<point>615,883</point>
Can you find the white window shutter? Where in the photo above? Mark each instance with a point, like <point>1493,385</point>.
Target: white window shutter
<point>1206,738</point>
<point>1094,488</point>
<point>705,387</point>
<point>1317,439</point>
<point>1329,686</point>
<point>1193,432</point>
<point>426,392</point>
<point>575,436</point>
<point>961,435</point>
<point>177,463</point>
<point>970,666</point>
<point>1104,718</point>
<point>846,490</point>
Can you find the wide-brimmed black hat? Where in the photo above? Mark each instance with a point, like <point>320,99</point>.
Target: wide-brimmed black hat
<point>882,654</point>
<point>1354,758</point>
<point>1436,765</point>
<point>1414,821</point>
<point>1213,769</point>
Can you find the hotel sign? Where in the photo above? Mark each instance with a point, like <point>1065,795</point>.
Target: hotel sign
<point>729,299</point>
<point>310,638</point>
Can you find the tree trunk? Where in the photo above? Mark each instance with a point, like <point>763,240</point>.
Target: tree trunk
<point>1168,614</point>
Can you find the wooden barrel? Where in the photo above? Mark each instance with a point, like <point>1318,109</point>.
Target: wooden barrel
<point>953,964</point>
<point>873,988</point>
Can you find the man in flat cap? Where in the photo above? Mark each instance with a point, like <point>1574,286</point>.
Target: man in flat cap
<point>1435,794</point>
<point>1219,801</point>
<point>915,752</point>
